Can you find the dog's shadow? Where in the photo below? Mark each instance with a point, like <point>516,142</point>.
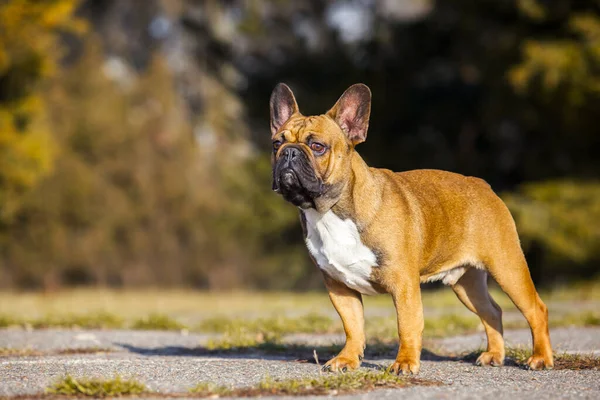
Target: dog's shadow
<point>289,352</point>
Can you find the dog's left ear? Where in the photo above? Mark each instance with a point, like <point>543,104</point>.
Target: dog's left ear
<point>283,106</point>
<point>352,112</point>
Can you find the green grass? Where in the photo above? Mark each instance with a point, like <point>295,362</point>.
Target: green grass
<point>452,324</point>
<point>377,328</point>
<point>240,341</point>
<point>28,352</point>
<point>158,322</point>
<point>518,354</point>
<point>588,318</point>
<point>188,304</point>
<point>70,386</point>
<point>328,384</point>
<point>386,328</point>
<point>96,320</point>
<point>309,323</point>
<point>99,320</point>
<point>227,313</point>
<point>578,319</point>
<point>460,324</point>
<point>6,321</point>
<point>211,390</point>
<point>359,381</point>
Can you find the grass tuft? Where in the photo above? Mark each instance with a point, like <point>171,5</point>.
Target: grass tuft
<point>210,390</point>
<point>159,322</point>
<point>519,354</point>
<point>333,384</point>
<point>69,386</point>
<point>329,384</point>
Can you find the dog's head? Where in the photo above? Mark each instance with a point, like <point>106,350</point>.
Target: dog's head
<point>312,155</point>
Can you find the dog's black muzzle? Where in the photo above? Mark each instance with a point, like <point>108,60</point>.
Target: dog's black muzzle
<point>294,177</point>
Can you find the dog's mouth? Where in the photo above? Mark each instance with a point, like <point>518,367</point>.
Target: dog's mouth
<point>295,179</point>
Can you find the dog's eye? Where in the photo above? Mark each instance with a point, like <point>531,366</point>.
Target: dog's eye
<point>276,145</point>
<point>317,147</point>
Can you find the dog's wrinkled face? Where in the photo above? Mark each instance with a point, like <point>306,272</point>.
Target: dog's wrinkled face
<point>311,155</point>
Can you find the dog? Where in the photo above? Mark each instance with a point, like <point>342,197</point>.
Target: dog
<point>372,231</point>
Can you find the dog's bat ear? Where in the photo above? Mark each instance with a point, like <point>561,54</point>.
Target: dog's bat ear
<point>283,106</point>
<point>352,112</point>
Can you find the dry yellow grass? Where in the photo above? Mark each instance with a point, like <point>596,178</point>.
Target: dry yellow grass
<point>131,304</point>
<point>189,306</point>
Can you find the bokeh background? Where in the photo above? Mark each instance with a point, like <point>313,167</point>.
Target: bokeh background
<point>134,139</point>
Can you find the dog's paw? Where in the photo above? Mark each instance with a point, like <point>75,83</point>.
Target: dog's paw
<point>342,364</point>
<point>493,358</point>
<point>536,362</point>
<point>405,366</point>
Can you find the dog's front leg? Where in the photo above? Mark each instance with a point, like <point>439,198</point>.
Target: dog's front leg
<point>348,304</point>
<point>407,299</point>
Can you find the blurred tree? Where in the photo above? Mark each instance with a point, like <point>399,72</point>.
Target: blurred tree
<point>29,53</point>
<point>134,200</point>
<point>257,235</point>
<point>124,195</point>
<point>560,217</point>
<point>571,63</point>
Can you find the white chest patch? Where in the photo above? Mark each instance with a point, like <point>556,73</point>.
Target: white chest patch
<point>336,246</point>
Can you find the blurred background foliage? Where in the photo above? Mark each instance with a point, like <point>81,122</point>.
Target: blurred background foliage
<point>29,45</point>
<point>134,136</point>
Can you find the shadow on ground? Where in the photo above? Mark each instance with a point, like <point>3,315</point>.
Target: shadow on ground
<point>296,353</point>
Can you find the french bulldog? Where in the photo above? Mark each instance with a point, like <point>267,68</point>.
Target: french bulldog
<point>373,231</point>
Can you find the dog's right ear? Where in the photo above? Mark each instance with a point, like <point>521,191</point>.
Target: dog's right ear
<point>283,106</point>
<point>352,112</point>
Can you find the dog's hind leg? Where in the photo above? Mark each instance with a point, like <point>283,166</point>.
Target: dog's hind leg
<point>472,291</point>
<point>512,274</point>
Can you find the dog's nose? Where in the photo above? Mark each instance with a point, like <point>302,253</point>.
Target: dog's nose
<point>289,153</point>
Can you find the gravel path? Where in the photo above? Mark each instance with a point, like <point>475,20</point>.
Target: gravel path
<point>166,362</point>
